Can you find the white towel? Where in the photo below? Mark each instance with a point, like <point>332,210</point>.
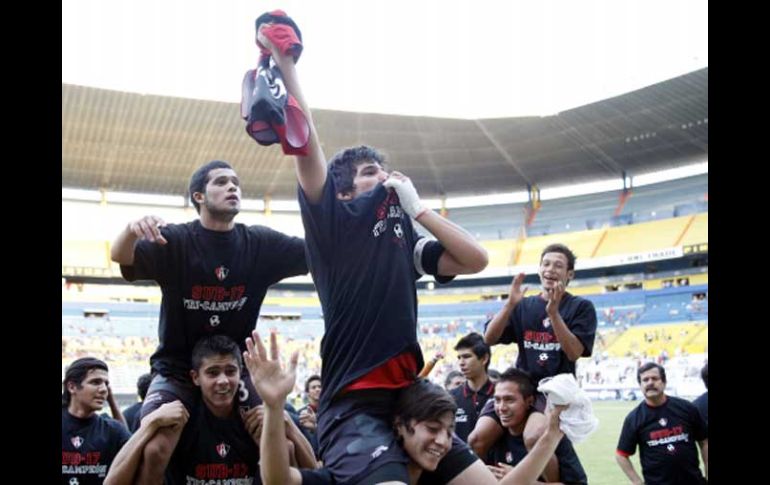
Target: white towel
<point>578,420</point>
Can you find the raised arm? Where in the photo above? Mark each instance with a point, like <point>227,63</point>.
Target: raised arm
<point>148,227</point>
<point>570,344</point>
<point>273,384</point>
<point>126,462</point>
<point>463,254</point>
<point>500,320</point>
<point>530,468</point>
<point>311,169</point>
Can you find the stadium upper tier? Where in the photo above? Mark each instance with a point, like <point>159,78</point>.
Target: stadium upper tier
<point>609,246</point>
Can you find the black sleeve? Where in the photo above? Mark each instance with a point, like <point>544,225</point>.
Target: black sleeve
<point>699,425</point>
<point>319,219</point>
<point>153,261</point>
<point>509,332</point>
<point>584,326</point>
<point>627,442</point>
<point>283,256</point>
<point>427,252</point>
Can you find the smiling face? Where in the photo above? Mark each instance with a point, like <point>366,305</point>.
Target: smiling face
<point>218,377</point>
<point>511,406</point>
<point>427,442</point>
<point>554,270</point>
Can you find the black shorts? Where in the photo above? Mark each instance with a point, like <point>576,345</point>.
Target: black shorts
<point>169,388</point>
<point>358,443</point>
<point>356,438</point>
<point>489,407</point>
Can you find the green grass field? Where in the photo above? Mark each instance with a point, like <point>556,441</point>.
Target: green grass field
<point>597,453</point>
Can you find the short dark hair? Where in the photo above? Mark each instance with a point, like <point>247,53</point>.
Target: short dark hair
<point>343,165</point>
<point>475,342</point>
<point>422,401</point>
<point>77,371</point>
<point>649,366</point>
<point>560,248</point>
<point>704,374</point>
<point>215,345</point>
<point>200,178</point>
<point>520,377</point>
<point>314,377</point>
<point>450,376</point>
<point>142,384</point>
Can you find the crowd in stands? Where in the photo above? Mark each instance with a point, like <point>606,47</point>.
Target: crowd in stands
<point>603,369</point>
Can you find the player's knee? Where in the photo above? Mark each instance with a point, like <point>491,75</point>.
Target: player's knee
<point>477,442</point>
<point>534,429</point>
<point>532,434</point>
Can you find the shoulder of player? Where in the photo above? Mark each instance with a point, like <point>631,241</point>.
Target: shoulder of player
<point>679,402</point>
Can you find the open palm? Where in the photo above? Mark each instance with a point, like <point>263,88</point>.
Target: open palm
<point>272,382</point>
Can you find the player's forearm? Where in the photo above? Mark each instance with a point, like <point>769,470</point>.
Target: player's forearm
<point>497,325</point>
<point>311,169</point>
<point>469,255</point>
<point>532,466</point>
<point>122,250</point>
<point>628,468</point>
<point>570,344</point>
<point>303,450</point>
<point>704,453</point>
<point>274,463</point>
<point>126,462</point>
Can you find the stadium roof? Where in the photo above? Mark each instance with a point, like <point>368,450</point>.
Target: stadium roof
<point>130,142</point>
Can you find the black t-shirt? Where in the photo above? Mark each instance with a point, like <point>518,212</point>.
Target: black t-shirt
<point>510,449</point>
<point>469,405</point>
<point>365,257</point>
<point>702,403</point>
<point>88,447</point>
<point>212,282</point>
<point>540,353</point>
<point>214,450</point>
<point>666,436</point>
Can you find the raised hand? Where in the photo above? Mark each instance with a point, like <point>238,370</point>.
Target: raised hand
<point>553,420</point>
<point>516,293</point>
<point>272,382</point>
<point>407,194</point>
<point>307,418</point>
<point>554,296</point>
<point>148,227</point>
